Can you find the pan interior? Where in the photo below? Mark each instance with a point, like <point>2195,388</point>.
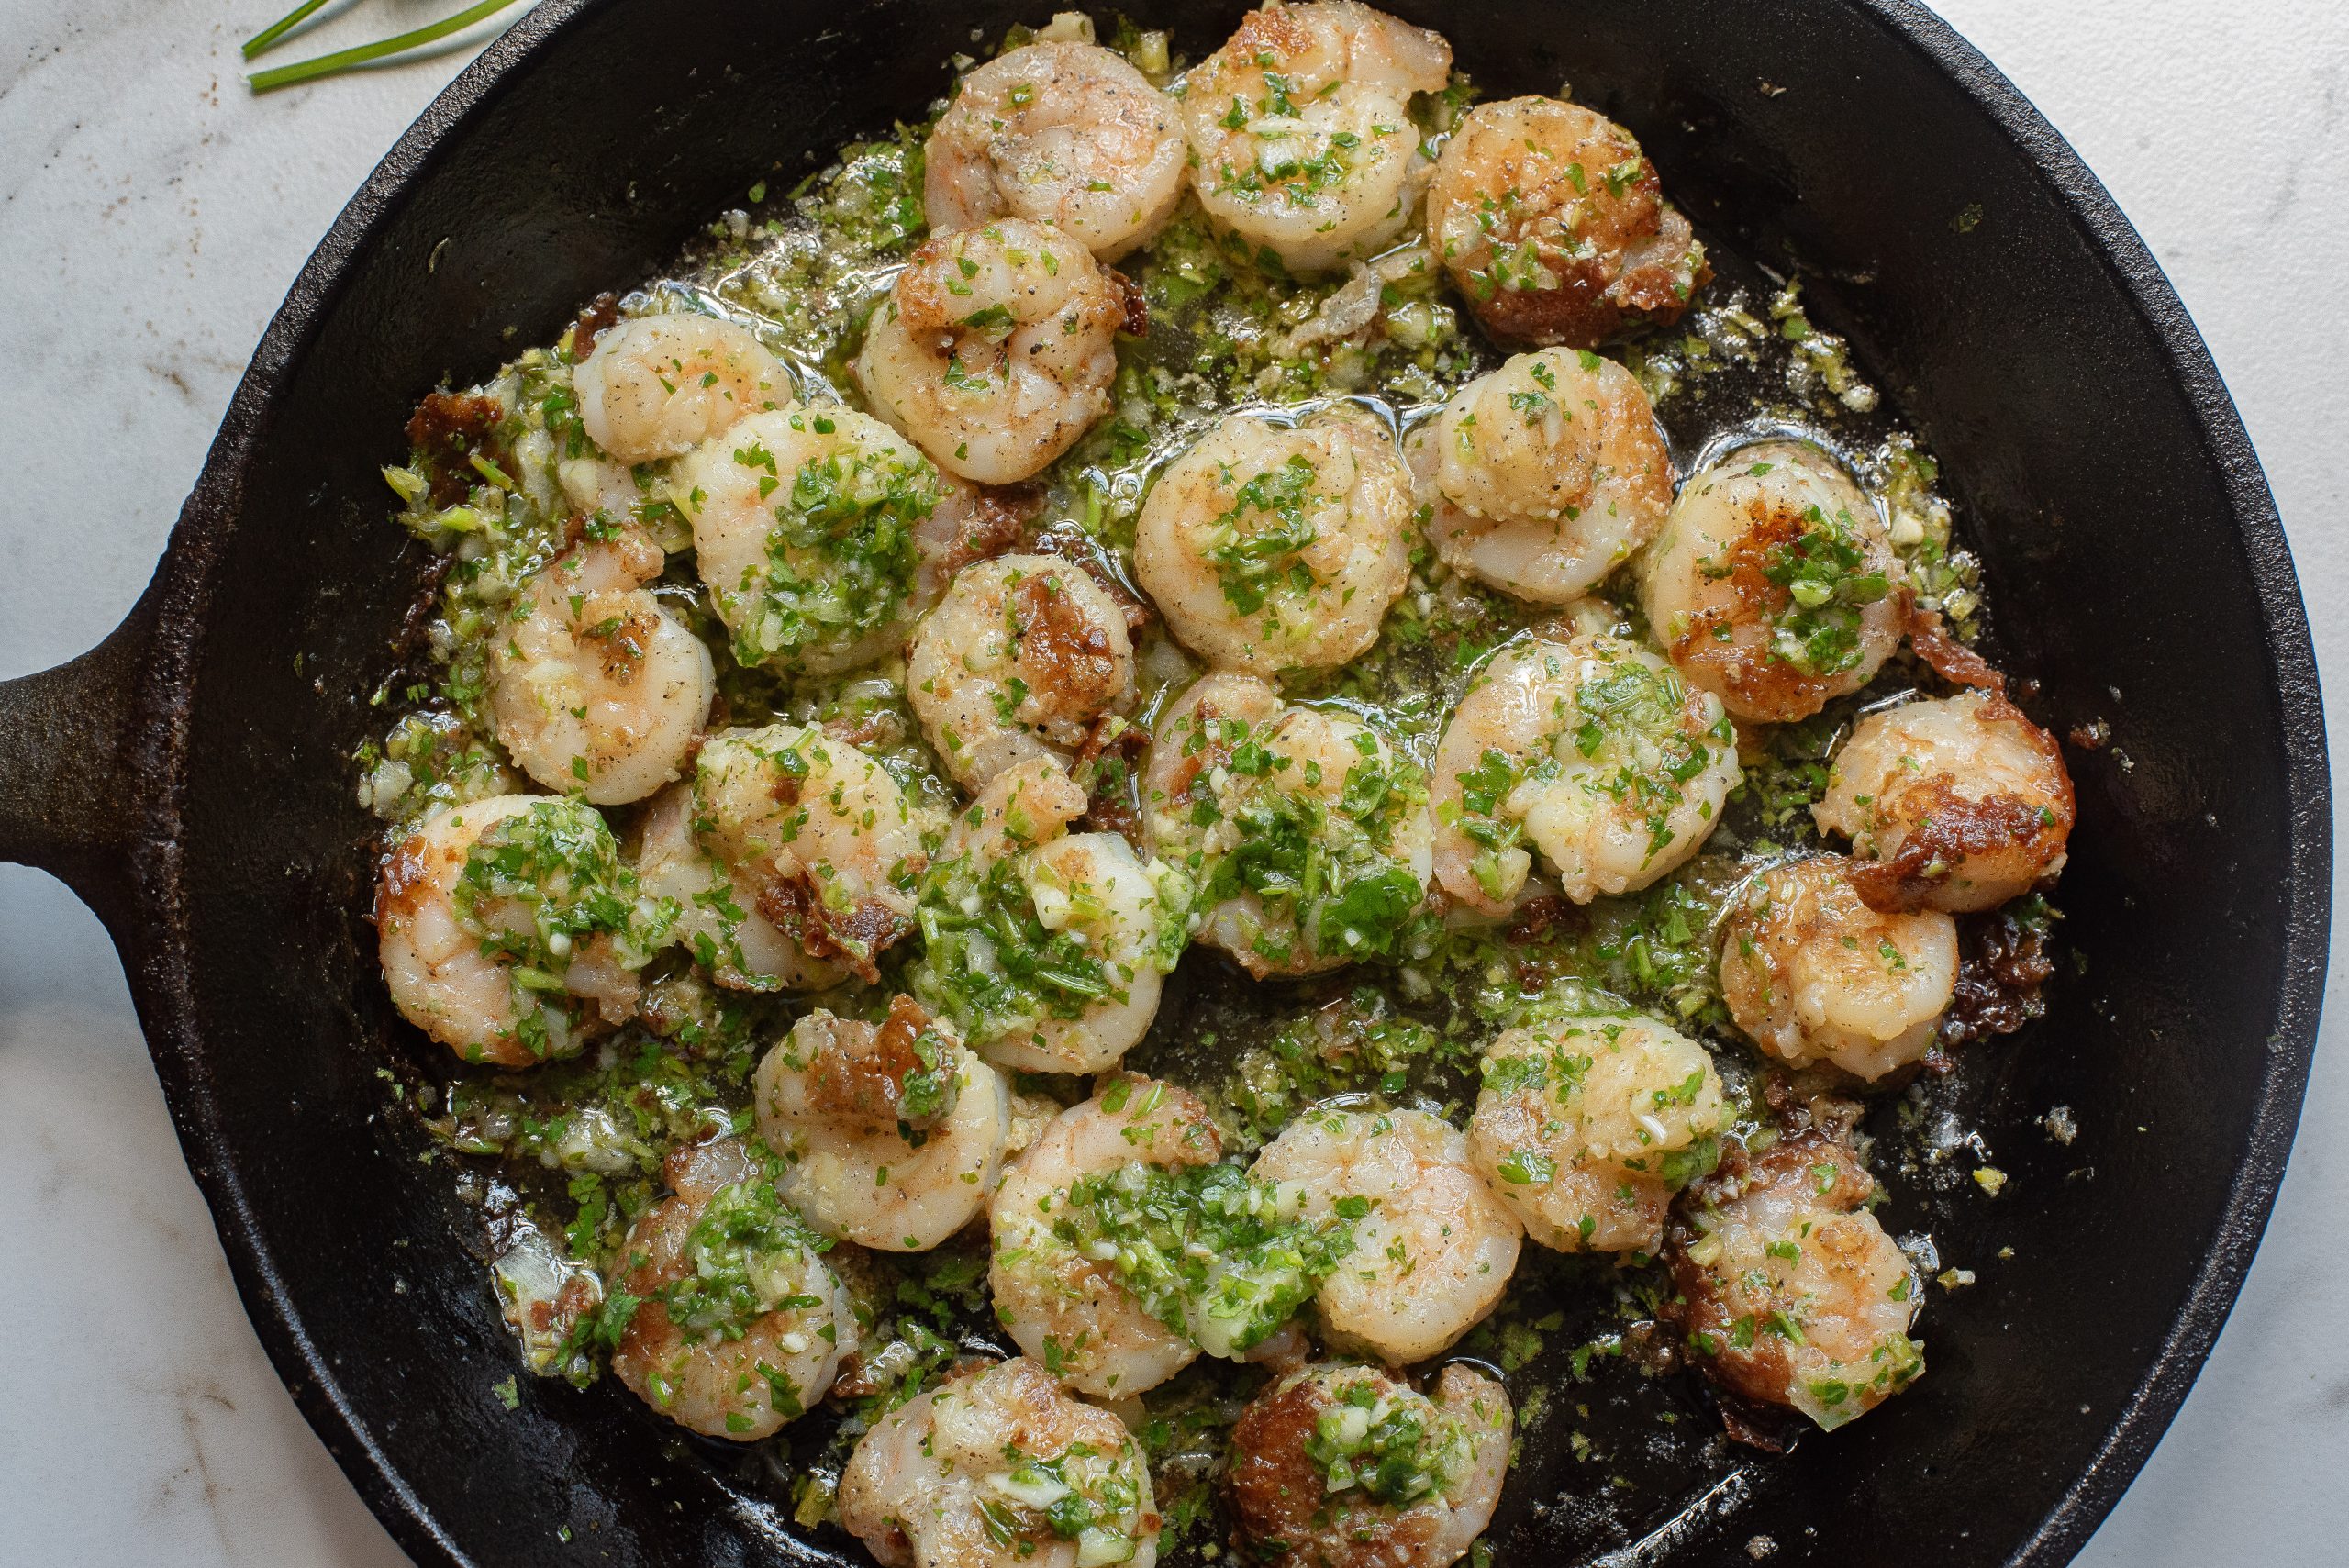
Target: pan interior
<point>2007,344</point>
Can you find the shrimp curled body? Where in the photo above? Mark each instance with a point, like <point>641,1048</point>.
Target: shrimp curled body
<point>1774,583</point>
<point>1019,659</point>
<point>810,527</point>
<point>1554,227</point>
<point>659,386</point>
<point>596,687</point>
<point>511,929</point>
<point>995,350</point>
<point>1587,1125</point>
<point>890,1133</point>
<point>999,1468</point>
<point>1957,803</point>
<point>1301,133</point>
<point>1306,830</point>
<point>1048,949</point>
<point>739,1325</point>
<point>1435,1249</point>
<point>816,833</point>
<point>720,919</point>
<point>1060,132</point>
<point>1270,548</point>
<point>1787,1288</point>
<point>1342,1466</point>
<point>1592,752</point>
<point>1812,973</point>
<point>1062,1305</point>
<point>1545,475</point>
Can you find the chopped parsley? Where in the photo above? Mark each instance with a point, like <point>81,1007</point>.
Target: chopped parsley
<point>1388,1441</point>
<point>1206,1249</point>
<point>1829,578</point>
<point>1256,547</point>
<point>840,554</point>
<point>536,885</point>
<point>993,966</point>
<point>748,1253</point>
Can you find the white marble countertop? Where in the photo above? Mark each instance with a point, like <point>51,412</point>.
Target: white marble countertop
<point>152,214</point>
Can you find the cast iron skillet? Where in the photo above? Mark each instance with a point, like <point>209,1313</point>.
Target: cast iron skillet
<point>189,778</point>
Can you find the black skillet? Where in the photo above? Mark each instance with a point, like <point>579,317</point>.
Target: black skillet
<point>189,778</point>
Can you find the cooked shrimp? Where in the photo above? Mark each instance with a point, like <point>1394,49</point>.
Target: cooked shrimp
<point>613,494</point>
<point>511,929</point>
<point>996,1468</point>
<point>807,526</point>
<point>1065,133</point>
<point>1434,1249</point>
<point>1270,548</point>
<point>819,834</point>
<point>890,1133</point>
<point>1302,143</point>
<point>1342,1466</point>
<point>739,1325</point>
<point>1587,1125</point>
<point>1959,803</point>
<point>1554,227</point>
<point>719,919</point>
<point>1812,973</point>
<point>1222,1260</point>
<point>995,350</point>
<point>1307,835</point>
<point>659,386</point>
<point>1069,1308</point>
<point>1046,948</point>
<point>1789,1290</point>
<point>1019,659</point>
<point>1545,475</point>
<point>1592,751</point>
<point>594,687</point>
<point>1773,582</point>
<point>974,522</point>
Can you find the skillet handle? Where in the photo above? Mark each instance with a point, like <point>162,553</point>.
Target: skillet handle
<point>72,800</point>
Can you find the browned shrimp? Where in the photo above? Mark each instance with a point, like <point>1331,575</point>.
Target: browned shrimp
<point>1960,803</point>
<point>1554,227</point>
<point>1340,1466</point>
<point>1774,584</point>
<point>816,832</point>
<point>890,1133</point>
<point>1017,660</point>
<point>995,352</point>
<point>998,1468</point>
<point>738,1324</point>
<point>528,882</point>
<point>1812,974</point>
<point>1789,1290</point>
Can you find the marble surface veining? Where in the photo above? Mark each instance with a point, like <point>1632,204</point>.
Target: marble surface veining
<point>151,215</point>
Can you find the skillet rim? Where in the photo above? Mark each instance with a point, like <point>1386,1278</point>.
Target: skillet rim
<point>151,923</point>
